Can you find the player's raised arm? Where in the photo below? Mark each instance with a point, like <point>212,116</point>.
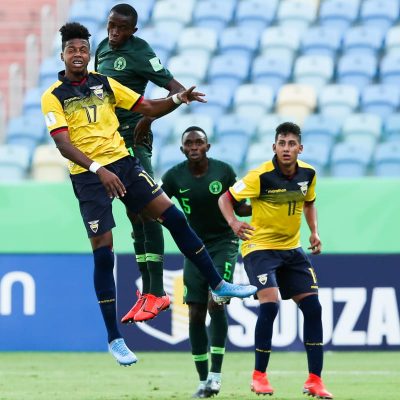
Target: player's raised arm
<point>159,107</point>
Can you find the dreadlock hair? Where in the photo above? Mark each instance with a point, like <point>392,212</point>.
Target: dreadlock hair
<point>286,128</point>
<point>73,30</point>
<point>127,11</point>
<point>194,128</point>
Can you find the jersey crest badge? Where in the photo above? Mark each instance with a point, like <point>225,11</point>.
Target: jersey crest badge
<point>303,187</point>
<point>119,64</point>
<point>215,187</point>
<point>94,225</point>
<point>98,91</point>
<point>263,278</point>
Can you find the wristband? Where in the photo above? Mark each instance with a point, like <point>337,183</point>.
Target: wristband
<point>176,99</point>
<point>94,166</point>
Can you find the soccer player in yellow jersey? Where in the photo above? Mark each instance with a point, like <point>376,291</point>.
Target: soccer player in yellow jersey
<point>280,190</point>
<point>79,110</point>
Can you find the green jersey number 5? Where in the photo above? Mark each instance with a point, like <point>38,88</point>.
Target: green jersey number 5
<point>185,205</point>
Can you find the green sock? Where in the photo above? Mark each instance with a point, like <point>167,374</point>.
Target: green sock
<point>154,245</point>
<point>218,334</point>
<point>198,342</point>
<point>138,245</point>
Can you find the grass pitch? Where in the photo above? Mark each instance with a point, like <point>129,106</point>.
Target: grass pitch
<point>95,376</point>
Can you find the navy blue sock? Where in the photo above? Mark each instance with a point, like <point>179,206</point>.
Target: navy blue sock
<point>263,335</point>
<point>104,286</point>
<point>312,311</point>
<point>190,244</point>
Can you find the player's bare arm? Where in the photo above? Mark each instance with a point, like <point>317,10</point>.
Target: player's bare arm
<point>241,229</point>
<point>160,107</point>
<point>142,127</point>
<point>310,213</point>
<point>111,182</point>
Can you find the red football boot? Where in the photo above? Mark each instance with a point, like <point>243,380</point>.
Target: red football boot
<point>152,307</point>
<point>260,383</point>
<point>315,387</point>
<point>129,317</point>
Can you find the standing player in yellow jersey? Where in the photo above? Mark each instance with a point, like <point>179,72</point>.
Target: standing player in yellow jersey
<point>280,190</point>
<point>79,110</point>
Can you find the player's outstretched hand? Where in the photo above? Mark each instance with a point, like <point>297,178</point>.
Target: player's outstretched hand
<point>242,229</point>
<point>114,187</point>
<point>189,95</point>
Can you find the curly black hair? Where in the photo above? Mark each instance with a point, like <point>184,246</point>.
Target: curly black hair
<point>73,30</point>
<point>286,128</point>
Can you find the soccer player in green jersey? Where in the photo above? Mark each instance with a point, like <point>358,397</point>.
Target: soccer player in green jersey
<point>280,191</point>
<point>197,184</point>
<point>131,61</point>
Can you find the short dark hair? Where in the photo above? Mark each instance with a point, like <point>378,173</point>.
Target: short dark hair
<point>194,128</point>
<point>286,128</point>
<point>73,30</point>
<point>127,11</point>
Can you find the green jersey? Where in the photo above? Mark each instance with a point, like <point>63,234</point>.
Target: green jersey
<point>198,197</point>
<point>133,65</point>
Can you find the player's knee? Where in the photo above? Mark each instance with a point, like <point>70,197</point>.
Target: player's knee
<point>197,313</point>
<point>311,307</point>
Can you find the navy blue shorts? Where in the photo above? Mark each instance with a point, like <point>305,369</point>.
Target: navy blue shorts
<point>96,206</point>
<point>289,270</point>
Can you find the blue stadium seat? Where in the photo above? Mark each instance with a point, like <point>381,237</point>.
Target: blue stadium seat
<point>380,99</point>
<point>359,127</point>
<point>338,14</point>
<point>284,42</point>
<point>228,70</point>
<point>296,14</point>
<point>387,160</point>
<point>357,70</point>
<point>90,13</point>
<point>219,99</point>
<point>266,127</point>
<point>391,131</point>
<point>27,130</point>
<point>318,155</point>
<point>239,41</point>
<point>188,70</point>
<point>202,120</point>
<point>321,40</point>
<point>255,14</point>
<point>351,159</point>
<point>320,128</point>
<point>338,100</point>
<point>48,73</point>
<point>389,71</point>
<point>253,100</point>
<point>272,69</point>
<point>169,156</point>
<point>235,124</point>
<point>258,153</point>
<point>379,13</point>
<point>362,40</point>
<point>162,127</point>
<point>172,14</point>
<point>214,14</point>
<point>32,103</point>
<point>392,41</point>
<point>162,42</point>
<point>315,70</point>
<point>202,42</point>
<point>14,162</point>
<point>233,155</point>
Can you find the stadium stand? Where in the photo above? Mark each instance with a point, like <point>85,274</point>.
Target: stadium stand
<point>387,159</point>
<point>252,99</point>
<point>48,165</point>
<point>338,100</point>
<point>14,162</point>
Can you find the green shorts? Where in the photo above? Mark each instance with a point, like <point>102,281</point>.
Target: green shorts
<point>224,255</point>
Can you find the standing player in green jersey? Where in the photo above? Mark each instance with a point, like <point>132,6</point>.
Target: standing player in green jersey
<point>197,184</point>
<point>132,62</point>
<point>280,191</point>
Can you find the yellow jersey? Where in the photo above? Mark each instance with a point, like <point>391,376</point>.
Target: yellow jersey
<point>87,110</point>
<point>277,204</point>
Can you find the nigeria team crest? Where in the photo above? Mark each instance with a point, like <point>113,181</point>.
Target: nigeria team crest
<point>215,187</point>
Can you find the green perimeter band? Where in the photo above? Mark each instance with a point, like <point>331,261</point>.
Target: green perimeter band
<point>141,257</point>
<point>154,257</point>
<point>200,357</point>
<point>217,350</point>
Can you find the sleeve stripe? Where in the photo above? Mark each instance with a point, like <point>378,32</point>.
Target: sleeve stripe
<point>59,130</point>
<point>138,101</point>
